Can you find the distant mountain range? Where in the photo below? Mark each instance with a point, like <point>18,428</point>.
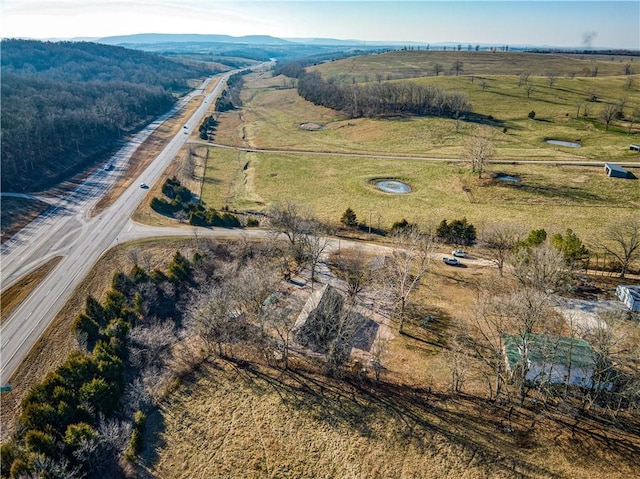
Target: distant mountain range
<point>151,38</point>
<point>154,40</point>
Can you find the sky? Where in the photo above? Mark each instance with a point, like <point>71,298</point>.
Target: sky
<point>568,23</point>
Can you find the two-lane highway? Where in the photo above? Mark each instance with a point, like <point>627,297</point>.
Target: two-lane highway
<point>81,240</point>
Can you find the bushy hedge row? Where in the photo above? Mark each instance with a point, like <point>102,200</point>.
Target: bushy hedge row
<point>207,127</point>
<point>181,201</point>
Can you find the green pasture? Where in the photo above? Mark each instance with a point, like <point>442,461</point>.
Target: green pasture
<point>273,118</point>
<point>550,197</point>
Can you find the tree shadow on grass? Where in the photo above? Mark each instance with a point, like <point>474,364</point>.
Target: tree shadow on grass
<point>492,437</point>
<point>415,414</point>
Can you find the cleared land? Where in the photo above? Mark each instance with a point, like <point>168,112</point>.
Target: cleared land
<point>276,117</point>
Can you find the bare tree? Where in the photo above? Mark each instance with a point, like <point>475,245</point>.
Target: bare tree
<point>354,269</point>
<point>314,246</point>
<point>528,89</point>
<point>479,148</point>
<point>486,334</point>
<point>579,104</point>
<point>252,284</point>
<point>150,343</point>
<point>379,351</point>
<point>460,105</point>
<point>622,241</point>
<point>529,309</point>
<point>408,264</point>
<point>633,117</point>
<point>455,358</point>
<point>290,219</point>
<point>211,319</point>
<point>551,79</point>
<point>457,67</point>
<point>500,241</point>
<point>608,114</point>
<point>542,268</point>
<point>437,68</point>
<point>282,321</point>
<point>523,78</point>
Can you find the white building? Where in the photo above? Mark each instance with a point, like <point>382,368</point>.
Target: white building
<point>630,296</point>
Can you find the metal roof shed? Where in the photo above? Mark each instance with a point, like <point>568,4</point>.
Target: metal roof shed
<point>554,359</point>
<point>615,171</point>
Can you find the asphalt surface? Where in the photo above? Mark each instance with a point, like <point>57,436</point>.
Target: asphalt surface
<point>67,230</point>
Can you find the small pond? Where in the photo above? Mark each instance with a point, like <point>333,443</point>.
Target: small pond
<point>393,186</point>
<point>570,144</point>
<point>512,179</point>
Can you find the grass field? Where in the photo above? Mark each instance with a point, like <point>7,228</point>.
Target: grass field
<point>272,115</point>
<point>547,197</point>
<point>420,63</point>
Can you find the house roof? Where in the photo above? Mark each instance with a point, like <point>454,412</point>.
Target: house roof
<point>549,349</point>
<point>633,291</point>
<point>614,167</point>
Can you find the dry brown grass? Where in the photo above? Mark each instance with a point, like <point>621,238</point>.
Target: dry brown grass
<point>16,293</point>
<point>252,421</point>
<point>17,213</point>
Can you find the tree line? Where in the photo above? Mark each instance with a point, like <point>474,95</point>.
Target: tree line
<point>66,106</point>
<point>383,98</point>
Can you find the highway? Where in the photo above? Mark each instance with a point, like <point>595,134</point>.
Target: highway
<point>67,230</point>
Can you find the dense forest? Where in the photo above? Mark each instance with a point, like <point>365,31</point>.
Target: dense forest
<point>67,105</point>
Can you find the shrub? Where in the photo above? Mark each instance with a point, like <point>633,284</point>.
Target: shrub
<point>456,232</point>
<point>253,222</point>
<point>532,114</point>
<point>85,324</point>
<point>349,218</point>
<point>40,443</point>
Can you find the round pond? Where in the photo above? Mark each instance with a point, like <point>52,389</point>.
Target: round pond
<point>570,144</point>
<point>393,186</point>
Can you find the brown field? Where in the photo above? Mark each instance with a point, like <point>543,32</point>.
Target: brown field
<point>420,63</point>
<point>258,422</point>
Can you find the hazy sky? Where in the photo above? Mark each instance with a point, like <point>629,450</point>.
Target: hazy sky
<point>604,23</point>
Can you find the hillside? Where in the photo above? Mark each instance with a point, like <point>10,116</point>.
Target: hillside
<point>66,106</point>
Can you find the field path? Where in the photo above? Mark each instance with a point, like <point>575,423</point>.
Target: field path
<point>628,164</point>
